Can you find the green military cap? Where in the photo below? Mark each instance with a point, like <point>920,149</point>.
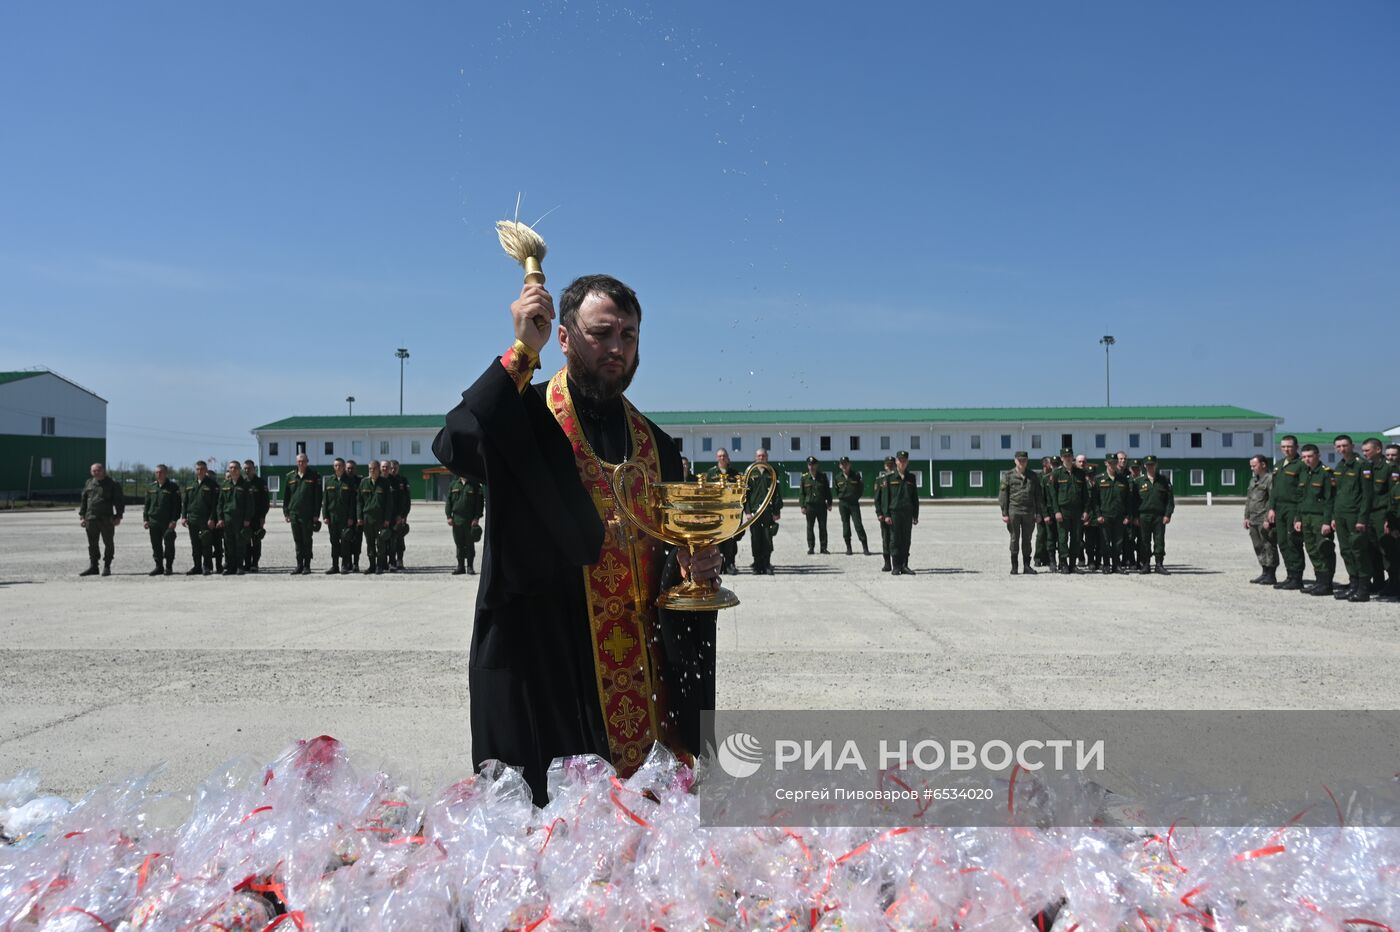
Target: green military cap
<point>811,460</point>
<point>1066,451</point>
<point>476,533</point>
<point>1136,463</point>
<point>902,454</point>
<point>1021,455</point>
<point>1149,458</point>
<point>888,460</point>
<point>844,459</point>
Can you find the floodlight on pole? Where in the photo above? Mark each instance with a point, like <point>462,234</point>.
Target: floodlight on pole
<point>402,354</point>
<point>1107,342</point>
<point>350,400</point>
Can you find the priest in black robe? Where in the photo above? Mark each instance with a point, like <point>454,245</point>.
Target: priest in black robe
<point>569,653</point>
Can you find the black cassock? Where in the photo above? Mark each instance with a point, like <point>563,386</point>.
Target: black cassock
<point>531,680</point>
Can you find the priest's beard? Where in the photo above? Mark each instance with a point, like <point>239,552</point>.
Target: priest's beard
<point>598,387</point>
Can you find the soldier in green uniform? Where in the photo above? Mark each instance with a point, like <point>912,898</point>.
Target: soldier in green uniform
<point>1046,533</point>
<point>1314,519</point>
<point>403,502</point>
<point>848,488</point>
<point>1352,492</point>
<point>301,508</point>
<point>687,474</point>
<point>201,502</point>
<point>1134,533</point>
<point>1070,499</point>
<point>879,495</point>
<point>1256,519</point>
<point>99,512</point>
<point>261,504</point>
<point>814,497</point>
<point>1110,504</point>
<point>1390,540</point>
<point>1128,556</point>
<point>352,540</point>
<point>1380,502</point>
<point>1285,492</point>
<point>766,524</point>
<point>374,516</point>
<point>1019,497</point>
<point>235,518</point>
<point>160,517</point>
<point>1090,560</point>
<point>1155,506</point>
<point>729,549</point>
<point>338,513</point>
<point>465,504</point>
<point>901,512</point>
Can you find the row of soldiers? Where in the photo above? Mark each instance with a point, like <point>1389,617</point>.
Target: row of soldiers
<point>896,493</point>
<point>227,520</point>
<point>1304,506</point>
<point>1109,520</point>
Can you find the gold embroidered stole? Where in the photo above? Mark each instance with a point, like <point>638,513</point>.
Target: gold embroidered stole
<point>621,588</point>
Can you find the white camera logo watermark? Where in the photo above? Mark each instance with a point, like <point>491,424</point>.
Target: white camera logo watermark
<point>740,755</point>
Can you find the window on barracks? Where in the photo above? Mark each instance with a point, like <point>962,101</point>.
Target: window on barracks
<point>1166,443</point>
<point>945,441</point>
<point>854,443</point>
<point>797,444</point>
<point>976,441</point>
<point>47,427</point>
<point>1134,441</point>
<point>884,443</point>
<point>46,467</point>
<point>945,478</point>
<point>680,444</point>
<point>301,447</point>
<point>1006,441</point>
<point>1036,443</point>
<point>1168,473</point>
<point>1227,477</point>
<point>824,444</point>
<point>383,448</point>
<point>1100,441</point>
<point>914,441</point>
<point>974,479</point>
<point>918,478</point>
<point>794,480</point>
<point>1258,440</point>
<point>707,444</point>
<point>330,448</point>
<point>1196,441</point>
<point>1198,477</point>
<point>272,448</point>
<point>736,444</point>
<point>357,448</point>
<point>274,483</point>
<point>766,443</point>
<point>415,447</point>
<point>1066,440</point>
<point>1227,439</point>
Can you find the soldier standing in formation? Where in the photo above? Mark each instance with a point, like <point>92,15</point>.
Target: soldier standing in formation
<point>201,502</point>
<point>301,508</point>
<point>723,468</point>
<point>1257,521</point>
<point>899,504</point>
<point>1285,492</point>
<point>374,517</point>
<point>766,524</point>
<point>99,512</point>
<point>1111,510</point>
<point>1046,531</point>
<point>1390,541</point>
<point>885,531</point>
<point>1070,499</point>
<point>848,489</point>
<point>814,497</point>
<point>1130,544</point>
<point>1314,519</point>
<point>160,516</point>
<point>403,501</point>
<point>338,513</point>
<point>354,534</point>
<point>235,516</point>
<point>1380,503</point>
<point>465,504</point>
<point>262,504</point>
<point>1020,502</point>
<point>1091,529</point>
<point>1352,492</point>
<point>1155,506</point>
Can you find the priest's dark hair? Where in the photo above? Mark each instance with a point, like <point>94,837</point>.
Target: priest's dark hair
<point>625,298</point>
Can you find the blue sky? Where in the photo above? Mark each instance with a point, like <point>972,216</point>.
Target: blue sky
<point>216,215</point>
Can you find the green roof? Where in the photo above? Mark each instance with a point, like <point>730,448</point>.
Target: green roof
<point>16,376</point>
<point>1324,438</point>
<point>356,422</point>
<point>1167,414</point>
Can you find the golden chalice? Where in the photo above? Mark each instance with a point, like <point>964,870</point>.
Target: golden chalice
<point>694,515</point>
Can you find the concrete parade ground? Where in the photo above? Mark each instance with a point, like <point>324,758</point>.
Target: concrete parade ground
<point>104,678</point>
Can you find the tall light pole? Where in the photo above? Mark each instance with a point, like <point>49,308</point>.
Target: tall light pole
<point>350,400</point>
<point>402,354</point>
<point>1107,342</point>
